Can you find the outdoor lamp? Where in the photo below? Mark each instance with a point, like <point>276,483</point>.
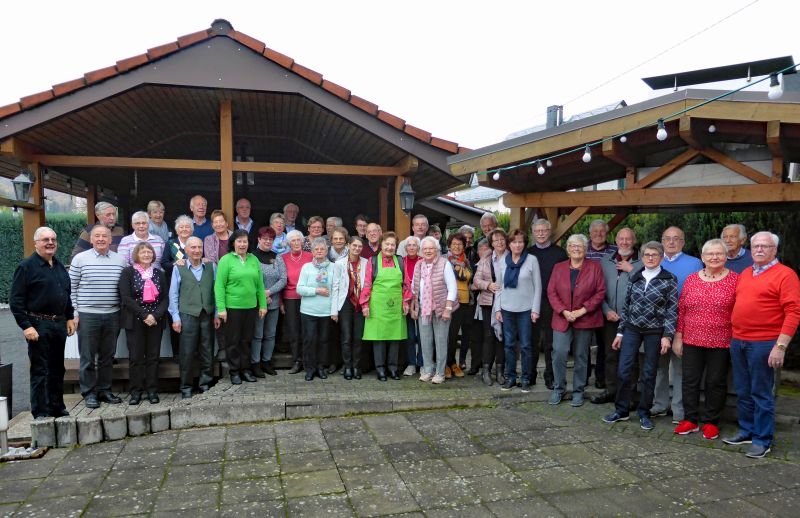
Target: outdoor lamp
<point>406,198</point>
<point>661,134</point>
<point>775,88</point>
<point>22,186</point>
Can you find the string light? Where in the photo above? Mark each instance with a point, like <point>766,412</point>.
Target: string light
<point>661,134</point>
<point>712,129</point>
<point>549,163</point>
<point>587,155</point>
<point>540,169</point>
<point>775,88</point>
<point>496,176</point>
<point>623,139</point>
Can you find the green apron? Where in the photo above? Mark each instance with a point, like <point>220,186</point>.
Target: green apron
<point>386,320</point>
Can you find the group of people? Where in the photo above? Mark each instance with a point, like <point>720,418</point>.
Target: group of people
<point>500,300</point>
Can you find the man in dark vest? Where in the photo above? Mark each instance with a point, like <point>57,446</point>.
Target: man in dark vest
<point>191,304</point>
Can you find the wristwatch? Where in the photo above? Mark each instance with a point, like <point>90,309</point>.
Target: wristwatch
<point>782,347</point>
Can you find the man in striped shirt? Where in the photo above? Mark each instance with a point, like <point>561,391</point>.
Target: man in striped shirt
<point>94,280</point>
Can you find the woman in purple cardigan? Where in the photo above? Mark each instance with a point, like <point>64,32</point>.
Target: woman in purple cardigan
<point>576,292</point>
<point>216,245</point>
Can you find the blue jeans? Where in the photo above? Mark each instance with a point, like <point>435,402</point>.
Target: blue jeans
<point>413,347</point>
<point>97,337</point>
<point>754,380</point>
<point>264,337</point>
<point>517,329</point>
<point>631,339</point>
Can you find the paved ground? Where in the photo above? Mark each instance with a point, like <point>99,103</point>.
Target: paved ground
<point>524,459</point>
<point>14,350</point>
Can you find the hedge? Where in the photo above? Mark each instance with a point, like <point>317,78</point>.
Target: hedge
<point>67,226</point>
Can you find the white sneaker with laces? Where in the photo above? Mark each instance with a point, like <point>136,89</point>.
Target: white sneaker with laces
<point>425,377</point>
<point>410,371</point>
<point>438,379</point>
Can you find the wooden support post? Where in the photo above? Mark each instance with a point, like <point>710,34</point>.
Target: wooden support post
<point>226,158</point>
<point>551,215</point>
<point>774,144</point>
<point>402,221</point>
<point>565,226</point>
<point>517,218</point>
<point>665,170</point>
<point>91,201</point>
<point>33,218</point>
<point>735,166</point>
<point>630,177</point>
<point>695,140</point>
<point>383,210</point>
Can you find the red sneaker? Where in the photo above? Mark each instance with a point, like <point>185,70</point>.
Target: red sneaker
<point>686,427</point>
<point>710,431</point>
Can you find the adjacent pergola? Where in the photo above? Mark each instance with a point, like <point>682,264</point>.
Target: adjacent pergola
<point>730,154</point>
<point>220,114</point>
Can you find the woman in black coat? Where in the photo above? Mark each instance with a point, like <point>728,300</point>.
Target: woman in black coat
<point>144,294</point>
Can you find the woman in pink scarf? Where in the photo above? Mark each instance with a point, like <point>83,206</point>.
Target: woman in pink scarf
<point>435,297</point>
<point>144,294</point>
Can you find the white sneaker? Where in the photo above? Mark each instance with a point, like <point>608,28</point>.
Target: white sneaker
<point>410,371</point>
<point>425,377</point>
<point>438,379</point>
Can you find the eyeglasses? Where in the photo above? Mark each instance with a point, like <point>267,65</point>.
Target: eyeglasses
<point>715,254</point>
<point>651,256</point>
<point>47,240</point>
<point>671,239</point>
<point>541,231</point>
<point>762,247</point>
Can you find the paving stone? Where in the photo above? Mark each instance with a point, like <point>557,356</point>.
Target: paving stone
<point>553,437</point>
<point>367,476</point>
<point>585,503</point>
<point>7,510</point>
<point>567,454</point>
<point>301,443</point>
<point>456,448</point>
<point>194,474</point>
<point>353,439</point>
<point>342,424</point>
<point>533,507</point>
<point>407,451</point>
<point>502,486</point>
<point>553,480</point>
<point>159,419</point>
<point>90,429</point>
<point>251,432</point>
<point>358,456</point>
<point>199,453</point>
<point>654,467</point>
<point>252,490</point>
<point>69,485</point>
<point>66,432</point>
<point>138,423</point>
<point>143,459</point>
<point>273,508</point>
<point>122,503</point>
<point>447,492</point>
<point>312,483</point>
<point>599,473</point>
<point>306,461</point>
<point>119,480</point>
<point>202,436</point>
<point>115,427</point>
<point>333,506</point>
<point>22,469</point>
<point>17,490</point>
<point>477,465</point>
<point>472,511</point>
<point>505,442</point>
<point>392,429</point>
<point>248,449</point>
<point>333,409</point>
<point>251,468</point>
<point>634,499</point>
<point>156,441</point>
<point>383,500</point>
<point>732,507</point>
<point>196,496</point>
<point>422,470</point>
<point>524,460</point>
<point>43,432</point>
<point>66,507</point>
<point>298,428</point>
<point>205,512</point>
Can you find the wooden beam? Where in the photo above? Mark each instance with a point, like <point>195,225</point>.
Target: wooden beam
<point>734,165</point>
<point>402,221</point>
<point>774,145</point>
<point>383,210</point>
<point>226,158</point>
<point>666,169</point>
<point>33,218</point>
<point>660,197</point>
<point>618,218</point>
<point>360,170</point>
<point>695,141</point>
<point>8,202</point>
<point>569,222</point>
<point>14,147</point>
<point>551,215</point>
<point>409,164</point>
<point>630,177</point>
<point>618,152</point>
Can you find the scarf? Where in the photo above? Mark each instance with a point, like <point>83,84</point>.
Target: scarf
<point>355,277</point>
<point>426,269</point>
<point>460,265</point>
<point>512,270</point>
<point>150,291</point>
<point>322,271</point>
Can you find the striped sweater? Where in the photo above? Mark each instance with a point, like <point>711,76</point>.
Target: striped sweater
<point>94,281</point>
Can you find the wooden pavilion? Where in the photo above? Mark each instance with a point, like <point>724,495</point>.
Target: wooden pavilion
<point>220,114</point>
<point>729,154</point>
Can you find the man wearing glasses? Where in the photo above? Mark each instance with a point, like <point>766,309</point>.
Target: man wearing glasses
<point>681,265</point>
<point>40,302</point>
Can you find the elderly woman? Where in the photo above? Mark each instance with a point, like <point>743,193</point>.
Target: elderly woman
<point>461,318</point>
<point>385,301</point>
<point>158,227</point>
<point>239,293</point>
<point>518,307</point>
<point>648,317</point>
<point>576,291</point>
<point>175,252</point>
<point>317,308</point>
<point>413,348</point>
<point>316,227</point>
<point>274,271</point>
<point>488,279</point>
<point>141,234</point>
<point>294,261</point>
<point>348,280</point>
<point>216,245</point>
<point>144,296</point>
<point>339,238</point>
<point>703,338</point>
<point>277,222</point>
<point>435,298</point>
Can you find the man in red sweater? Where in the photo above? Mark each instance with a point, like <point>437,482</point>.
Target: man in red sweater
<point>765,317</point>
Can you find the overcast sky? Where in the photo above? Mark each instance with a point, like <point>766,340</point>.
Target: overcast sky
<point>467,71</point>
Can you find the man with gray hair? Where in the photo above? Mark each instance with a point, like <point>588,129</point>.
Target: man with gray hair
<point>598,244</point>
<point>201,226</point>
<point>488,223</point>
<point>106,214</point>
<point>291,214</point>
<point>419,229</point>
<point>734,236</point>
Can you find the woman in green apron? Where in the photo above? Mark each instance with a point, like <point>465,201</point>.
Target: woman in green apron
<point>385,299</point>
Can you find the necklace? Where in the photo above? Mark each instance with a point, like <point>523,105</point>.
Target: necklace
<point>299,256</point>
<point>714,276</point>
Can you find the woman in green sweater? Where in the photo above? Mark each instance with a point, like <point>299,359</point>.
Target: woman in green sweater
<point>317,308</point>
<point>239,292</point>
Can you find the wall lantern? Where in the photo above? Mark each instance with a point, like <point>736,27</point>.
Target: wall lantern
<point>22,186</point>
<point>407,198</point>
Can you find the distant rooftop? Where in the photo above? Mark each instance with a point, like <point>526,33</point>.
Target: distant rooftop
<point>578,116</point>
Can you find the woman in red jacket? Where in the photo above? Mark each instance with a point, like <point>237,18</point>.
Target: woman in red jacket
<point>576,291</point>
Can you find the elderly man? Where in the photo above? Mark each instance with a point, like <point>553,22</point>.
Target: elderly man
<point>371,247</point>
<point>246,223</point>
<point>201,226</point>
<point>158,227</point>
<point>548,254</point>
<point>617,269</point>
<point>734,237</point>
<point>488,223</point>
<point>106,215</point>
<point>765,317</point>
<point>291,212</point>
<point>670,366</point>
<point>94,279</point>
<point>598,246</point>
<point>191,305</point>
<point>41,305</point>
<point>419,229</point>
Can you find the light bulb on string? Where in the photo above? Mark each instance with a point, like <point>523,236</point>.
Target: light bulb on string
<point>661,134</point>
<point>587,155</point>
<point>712,129</point>
<point>775,88</point>
<point>540,169</point>
<point>549,163</point>
<point>623,139</point>
<point>496,176</point>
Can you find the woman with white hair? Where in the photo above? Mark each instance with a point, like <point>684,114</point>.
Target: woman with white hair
<point>294,260</point>
<point>141,234</point>
<point>317,308</point>
<point>413,348</point>
<point>175,251</point>
<point>576,291</point>
<point>435,297</point>
<point>278,223</point>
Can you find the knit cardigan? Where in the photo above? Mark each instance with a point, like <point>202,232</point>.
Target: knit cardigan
<point>654,309</point>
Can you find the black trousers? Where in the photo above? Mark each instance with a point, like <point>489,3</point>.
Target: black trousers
<point>458,321</point>
<point>714,362</point>
<point>144,349</point>
<point>493,352</point>
<point>292,322</point>
<point>47,367</point>
<point>386,354</point>
<point>351,327</point>
<point>239,330</point>
<point>542,341</point>
<point>197,339</point>
<point>315,341</point>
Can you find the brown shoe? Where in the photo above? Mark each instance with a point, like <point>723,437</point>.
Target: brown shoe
<point>457,372</point>
<point>447,373</point>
